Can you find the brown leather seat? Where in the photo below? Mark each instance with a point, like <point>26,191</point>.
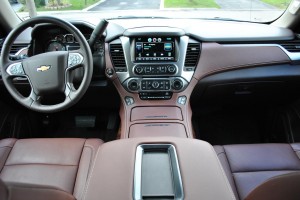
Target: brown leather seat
<point>250,166</point>
<point>63,164</point>
<point>19,191</point>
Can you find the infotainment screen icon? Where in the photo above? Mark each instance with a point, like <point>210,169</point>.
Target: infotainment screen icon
<point>168,47</point>
<point>155,49</point>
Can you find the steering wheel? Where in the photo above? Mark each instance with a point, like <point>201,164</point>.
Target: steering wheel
<point>49,72</point>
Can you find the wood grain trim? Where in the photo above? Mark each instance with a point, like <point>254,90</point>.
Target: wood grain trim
<point>216,58</point>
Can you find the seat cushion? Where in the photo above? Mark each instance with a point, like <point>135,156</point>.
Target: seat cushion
<point>62,163</point>
<point>249,165</point>
<point>19,191</point>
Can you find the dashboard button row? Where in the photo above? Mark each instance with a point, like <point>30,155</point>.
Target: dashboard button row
<point>155,85</point>
<point>155,69</point>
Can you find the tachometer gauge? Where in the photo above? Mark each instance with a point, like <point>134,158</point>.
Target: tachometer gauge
<point>56,46</point>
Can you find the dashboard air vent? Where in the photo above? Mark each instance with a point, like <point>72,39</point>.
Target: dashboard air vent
<point>192,56</point>
<point>291,46</point>
<point>117,57</point>
<point>17,47</point>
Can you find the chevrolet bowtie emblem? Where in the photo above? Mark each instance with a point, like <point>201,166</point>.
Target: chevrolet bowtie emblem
<point>43,68</point>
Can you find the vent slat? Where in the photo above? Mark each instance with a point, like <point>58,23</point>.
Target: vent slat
<point>192,55</point>
<point>15,48</point>
<point>291,46</point>
<point>117,55</point>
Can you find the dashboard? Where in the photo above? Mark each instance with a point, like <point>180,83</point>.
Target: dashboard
<point>160,59</point>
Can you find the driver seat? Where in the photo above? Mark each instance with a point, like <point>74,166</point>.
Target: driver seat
<point>62,163</point>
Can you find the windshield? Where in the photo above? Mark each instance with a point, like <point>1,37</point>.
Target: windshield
<point>243,10</point>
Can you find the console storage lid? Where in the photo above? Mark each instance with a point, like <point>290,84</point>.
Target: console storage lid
<point>112,175</point>
<point>156,113</point>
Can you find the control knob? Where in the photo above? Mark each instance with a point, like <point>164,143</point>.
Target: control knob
<point>139,70</point>
<point>171,69</point>
<point>133,85</point>
<point>177,84</point>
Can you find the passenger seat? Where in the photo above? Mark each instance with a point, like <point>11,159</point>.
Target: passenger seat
<point>62,163</point>
<point>248,166</point>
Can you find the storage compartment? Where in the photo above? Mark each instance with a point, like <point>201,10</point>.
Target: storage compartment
<point>157,130</point>
<point>153,113</point>
<point>157,174</point>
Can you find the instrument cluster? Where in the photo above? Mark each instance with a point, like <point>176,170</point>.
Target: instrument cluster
<point>61,43</point>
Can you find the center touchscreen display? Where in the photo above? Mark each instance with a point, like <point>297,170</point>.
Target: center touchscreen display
<point>154,49</point>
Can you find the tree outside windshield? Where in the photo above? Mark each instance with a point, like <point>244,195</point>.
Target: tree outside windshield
<point>245,10</point>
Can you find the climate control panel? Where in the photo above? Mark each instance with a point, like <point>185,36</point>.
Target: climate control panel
<point>171,84</point>
<point>159,84</point>
<point>161,69</point>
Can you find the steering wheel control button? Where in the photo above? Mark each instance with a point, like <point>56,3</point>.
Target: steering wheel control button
<point>74,59</point>
<point>109,72</point>
<point>15,69</point>
<point>129,100</point>
<point>133,85</point>
<point>181,100</point>
<point>177,84</point>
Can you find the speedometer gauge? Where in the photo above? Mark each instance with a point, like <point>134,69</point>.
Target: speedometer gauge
<point>56,46</point>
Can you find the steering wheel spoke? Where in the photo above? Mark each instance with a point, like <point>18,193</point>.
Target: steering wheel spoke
<point>32,99</point>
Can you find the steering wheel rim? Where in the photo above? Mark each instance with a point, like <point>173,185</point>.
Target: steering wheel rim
<point>37,68</point>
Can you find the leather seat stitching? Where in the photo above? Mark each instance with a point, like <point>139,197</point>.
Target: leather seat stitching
<point>223,173</point>
<point>90,175</point>
<point>78,164</point>
<point>279,170</point>
<point>7,165</point>
<point>239,195</point>
<point>89,169</point>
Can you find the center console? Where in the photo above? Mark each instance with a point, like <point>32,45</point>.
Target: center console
<point>153,72</point>
<point>157,168</point>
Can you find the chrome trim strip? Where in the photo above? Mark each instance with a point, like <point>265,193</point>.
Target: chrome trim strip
<point>20,51</point>
<point>177,180</point>
<point>137,183</point>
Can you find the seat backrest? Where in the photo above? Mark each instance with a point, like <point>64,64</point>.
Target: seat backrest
<point>62,163</point>
<point>249,165</point>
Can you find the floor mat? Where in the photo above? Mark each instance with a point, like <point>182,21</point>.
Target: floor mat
<point>68,126</point>
<point>239,126</point>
